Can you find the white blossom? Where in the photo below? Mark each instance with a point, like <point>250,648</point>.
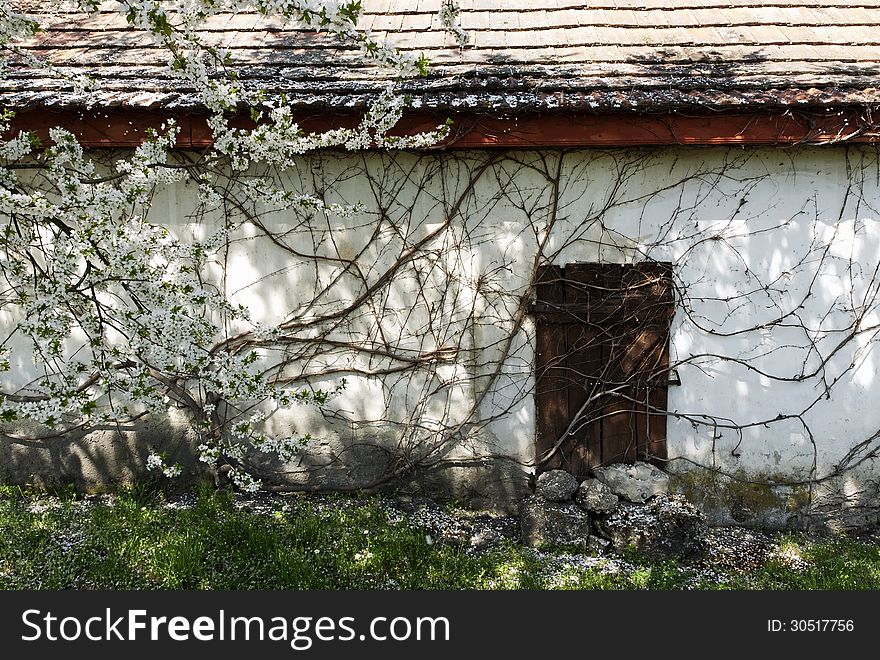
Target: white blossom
<point>156,462</point>
<point>449,19</point>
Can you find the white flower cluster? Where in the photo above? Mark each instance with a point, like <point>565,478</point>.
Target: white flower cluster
<point>449,19</point>
<point>244,481</point>
<point>18,147</point>
<point>156,462</point>
<point>15,25</point>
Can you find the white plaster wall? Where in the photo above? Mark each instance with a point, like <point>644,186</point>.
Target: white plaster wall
<point>779,223</point>
<point>802,221</point>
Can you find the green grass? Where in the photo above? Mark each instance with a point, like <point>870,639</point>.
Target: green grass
<point>135,545</point>
<point>135,542</point>
<point>837,563</point>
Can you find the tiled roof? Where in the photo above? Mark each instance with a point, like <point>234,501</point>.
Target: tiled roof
<point>524,55</point>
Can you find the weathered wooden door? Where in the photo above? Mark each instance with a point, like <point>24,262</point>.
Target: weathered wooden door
<point>602,364</point>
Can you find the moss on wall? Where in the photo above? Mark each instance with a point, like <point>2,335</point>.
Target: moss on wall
<point>762,500</point>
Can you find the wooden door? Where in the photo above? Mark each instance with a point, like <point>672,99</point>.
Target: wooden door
<point>602,364</point>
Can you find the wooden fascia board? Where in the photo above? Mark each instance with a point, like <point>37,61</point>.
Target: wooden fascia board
<point>126,127</point>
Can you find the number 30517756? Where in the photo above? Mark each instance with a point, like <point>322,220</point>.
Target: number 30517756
<point>820,625</point>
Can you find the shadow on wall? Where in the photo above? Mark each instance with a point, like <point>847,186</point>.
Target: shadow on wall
<point>108,457</point>
<point>98,460</point>
<point>378,461</point>
<point>496,484</point>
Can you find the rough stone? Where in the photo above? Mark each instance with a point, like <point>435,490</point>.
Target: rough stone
<point>557,485</point>
<point>667,526</point>
<point>598,545</point>
<point>594,496</point>
<point>637,482</point>
<point>544,523</point>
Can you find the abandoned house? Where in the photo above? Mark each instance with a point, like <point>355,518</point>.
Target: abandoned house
<point>651,234</point>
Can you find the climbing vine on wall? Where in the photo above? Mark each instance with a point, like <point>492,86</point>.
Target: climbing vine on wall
<point>393,286</point>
